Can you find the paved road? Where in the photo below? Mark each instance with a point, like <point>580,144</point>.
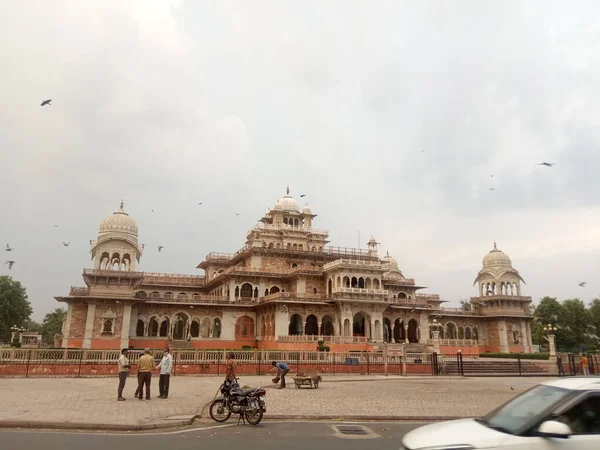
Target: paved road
<point>269,435</point>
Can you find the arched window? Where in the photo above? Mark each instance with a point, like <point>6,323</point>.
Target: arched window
<point>451,331</point>
<point>107,326</point>
<point>244,328</point>
<point>139,328</point>
<point>217,328</point>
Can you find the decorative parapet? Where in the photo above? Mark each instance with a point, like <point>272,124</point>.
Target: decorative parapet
<point>79,291</point>
<point>354,264</point>
<point>171,279</point>
<point>360,291</point>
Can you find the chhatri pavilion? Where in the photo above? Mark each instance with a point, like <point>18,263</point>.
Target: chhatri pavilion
<point>286,289</point>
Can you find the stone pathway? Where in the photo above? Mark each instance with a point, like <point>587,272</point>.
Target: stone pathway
<point>91,402</point>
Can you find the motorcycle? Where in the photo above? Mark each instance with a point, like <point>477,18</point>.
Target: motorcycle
<point>248,403</point>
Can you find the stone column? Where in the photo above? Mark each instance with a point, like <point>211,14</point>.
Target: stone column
<point>503,336</point>
<point>552,345</point>
<point>66,331</point>
<point>125,326</point>
<point>436,341</point>
<point>89,326</point>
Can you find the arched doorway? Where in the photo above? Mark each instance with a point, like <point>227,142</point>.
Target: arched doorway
<point>399,334</point>
<point>387,330</point>
<point>413,331</point>
<point>180,327</point>
<point>327,326</point>
<point>295,328</point>
<point>361,325</point>
<point>139,328</point>
<point>312,327</point>
<point>164,328</point>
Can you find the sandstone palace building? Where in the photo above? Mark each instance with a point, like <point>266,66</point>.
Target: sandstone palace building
<point>286,288</point>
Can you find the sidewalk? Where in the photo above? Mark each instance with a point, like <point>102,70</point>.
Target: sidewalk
<point>90,403</point>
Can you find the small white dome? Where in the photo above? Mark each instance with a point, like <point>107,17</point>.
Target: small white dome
<point>496,258</point>
<point>119,222</point>
<point>287,202</point>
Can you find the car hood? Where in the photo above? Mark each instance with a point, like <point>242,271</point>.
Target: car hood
<point>454,432</point>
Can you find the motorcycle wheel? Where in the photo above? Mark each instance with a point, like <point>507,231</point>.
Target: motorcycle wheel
<point>257,415</point>
<point>219,412</point>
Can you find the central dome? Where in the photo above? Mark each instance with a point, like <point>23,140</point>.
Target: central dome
<point>496,258</point>
<point>119,222</point>
<point>287,202</point>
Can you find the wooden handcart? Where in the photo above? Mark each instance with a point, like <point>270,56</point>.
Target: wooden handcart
<point>311,379</point>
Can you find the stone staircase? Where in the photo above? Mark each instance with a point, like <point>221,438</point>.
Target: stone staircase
<point>494,368</point>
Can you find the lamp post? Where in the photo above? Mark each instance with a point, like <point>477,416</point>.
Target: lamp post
<point>15,329</point>
<point>434,326</point>
<point>550,330</point>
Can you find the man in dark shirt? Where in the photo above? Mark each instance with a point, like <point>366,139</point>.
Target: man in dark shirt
<point>282,370</point>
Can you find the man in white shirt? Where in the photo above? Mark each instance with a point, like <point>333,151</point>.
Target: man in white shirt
<point>165,366</point>
<point>123,373</point>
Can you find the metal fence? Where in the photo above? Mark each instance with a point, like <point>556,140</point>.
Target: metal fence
<point>90,363</point>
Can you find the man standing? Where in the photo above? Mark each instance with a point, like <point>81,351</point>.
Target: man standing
<point>282,370</point>
<point>145,367</point>
<point>585,365</point>
<point>230,368</point>
<point>124,367</point>
<point>165,365</point>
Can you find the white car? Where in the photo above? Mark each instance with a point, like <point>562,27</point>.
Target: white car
<point>559,415</point>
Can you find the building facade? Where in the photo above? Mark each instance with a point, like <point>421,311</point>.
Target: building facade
<point>286,288</point>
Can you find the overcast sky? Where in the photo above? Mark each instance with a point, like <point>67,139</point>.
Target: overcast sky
<point>391,117</point>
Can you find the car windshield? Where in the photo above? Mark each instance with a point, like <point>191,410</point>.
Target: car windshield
<point>521,412</point>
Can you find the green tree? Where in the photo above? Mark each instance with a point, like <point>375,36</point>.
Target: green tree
<point>15,309</point>
<point>547,311</point>
<point>32,325</point>
<point>52,325</point>
<point>574,323</point>
<point>465,305</point>
<point>594,310</point>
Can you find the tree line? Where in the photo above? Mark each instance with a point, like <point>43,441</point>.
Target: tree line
<point>15,309</point>
<point>577,324</point>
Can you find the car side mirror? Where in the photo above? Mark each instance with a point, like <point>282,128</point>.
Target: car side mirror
<point>554,429</point>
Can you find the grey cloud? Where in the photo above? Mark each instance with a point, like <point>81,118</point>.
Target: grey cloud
<point>390,116</point>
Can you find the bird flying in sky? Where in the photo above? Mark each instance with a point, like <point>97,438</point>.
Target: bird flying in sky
<point>10,264</point>
<point>9,248</point>
<point>583,283</point>
<point>46,102</point>
<point>66,244</point>
<point>160,247</point>
<point>546,164</point>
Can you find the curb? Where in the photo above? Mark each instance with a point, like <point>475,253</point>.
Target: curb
<point>83,426</point>
<point>364,418</point>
